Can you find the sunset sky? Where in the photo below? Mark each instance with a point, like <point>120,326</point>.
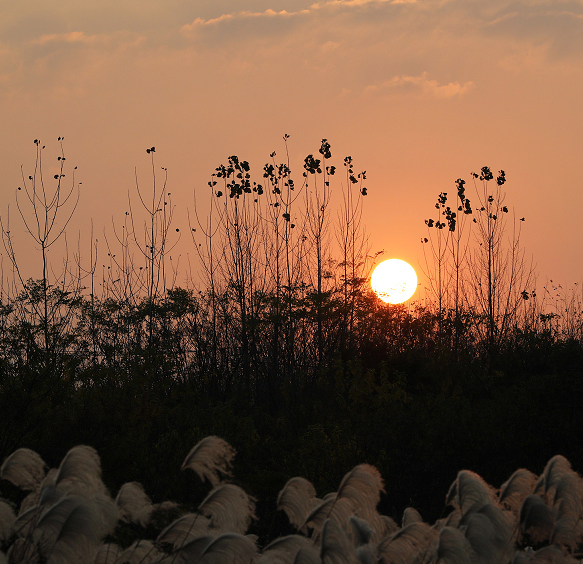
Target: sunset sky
<point>419,93</point>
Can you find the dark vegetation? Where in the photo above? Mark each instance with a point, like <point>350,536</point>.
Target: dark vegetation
<point>278,345</point>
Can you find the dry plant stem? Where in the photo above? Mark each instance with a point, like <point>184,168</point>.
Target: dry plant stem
<point>353,243</point>
<point>317,203</point>
<point>208,260</point>
<point>44,225</point>
<point>499,272</point>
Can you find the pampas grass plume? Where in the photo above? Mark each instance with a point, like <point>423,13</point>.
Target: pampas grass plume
<point>24,468</point>
<point>133,503</point>
<point>453,547</point>
<point>229,508</point>
<point>183,530</point>
<point>284,550</point>
<point>81,467</point>
<point>297,499</point>
<point>414,543</point>
<point>411,515</point>
<point>107,553</point>
<point>209,458</point>
<point>330,507</point>
<point>515,490</point>
<point>335,548</point>
<point>229,547</point>
<point>469,490</point>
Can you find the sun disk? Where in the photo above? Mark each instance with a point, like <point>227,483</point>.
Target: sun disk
<point>394,281</point>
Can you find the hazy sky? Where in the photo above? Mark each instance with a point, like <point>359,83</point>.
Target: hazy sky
<point>419,93</point>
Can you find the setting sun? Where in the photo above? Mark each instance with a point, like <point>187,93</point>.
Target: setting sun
<point>394,281</point>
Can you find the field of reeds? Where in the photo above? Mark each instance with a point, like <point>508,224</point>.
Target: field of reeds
<point>69,516</point>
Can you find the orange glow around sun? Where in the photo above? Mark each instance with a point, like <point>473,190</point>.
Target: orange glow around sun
<point>394,281</point>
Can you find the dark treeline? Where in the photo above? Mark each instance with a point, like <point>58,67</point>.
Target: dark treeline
<point>282,349</point>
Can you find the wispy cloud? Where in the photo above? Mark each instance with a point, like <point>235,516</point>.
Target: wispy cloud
<point>200,22</point>
<point>502,18</point>
<point>269,13</point>
<point>420,85</point>
<point>361,2</point>
<point>71,37</point>
<point>533,24</point>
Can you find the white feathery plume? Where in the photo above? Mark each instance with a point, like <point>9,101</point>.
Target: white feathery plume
<point>335,548</point>
<point>378,526</point>
<point>134,504</point>
<point>80,470</point>
<point>451,497</point>
<point>537,519</point>
<point>469,490</point>
<point>389,526</point>
<point>140,552</point>
<point>7,520</point>
<point>452,520</point>
<point>453,547</point>
<point>547,555</point>
<point>209,458</point>
<point>489,532</point>
<point>365,554</point>
<point>191,551</point>
<point>26,521</point>
<point>411,515</point>
<point>362,486</point>
<point>29,501</point>
<point>68,531</point>
<point>285,549</point>
<point>229,547</point>
<point>569,488</point>
<point>330,507</point>
<point>165,506</point>
<point>45,490</point>
<point>50,494</point>
<point>107,553</point>
<point>24,468</point>
<point>308,555</point>
<point>361,531</point>
<point>70,527</point>
<point>523,556</point>
<point>414,543</point>
<point>183,530</point>
<point>514,491</point>
<point>556,467</point>
<point>297,499</point>
<point>358,493</point>
<point>568,503</point>
<point>78,476</point>
<point>229,508</point>
<point>23,551</point>
<point>106,510</point>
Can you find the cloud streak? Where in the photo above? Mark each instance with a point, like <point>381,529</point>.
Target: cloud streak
<point>200,22</point>
<point>71,37</point>
<point>241,15</point>
<point>420,85</point>
<point>317,7</point>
